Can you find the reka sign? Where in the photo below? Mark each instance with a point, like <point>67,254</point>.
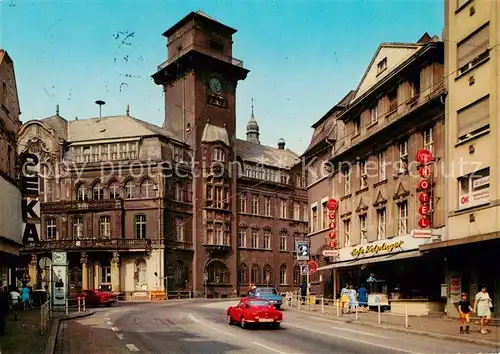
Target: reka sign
<point>424,157</point>
<point>30,189</point>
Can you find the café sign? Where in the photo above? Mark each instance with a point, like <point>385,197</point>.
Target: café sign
<point>373,250</point>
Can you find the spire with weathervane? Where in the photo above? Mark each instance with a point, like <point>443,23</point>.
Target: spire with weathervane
<point>253,129</point>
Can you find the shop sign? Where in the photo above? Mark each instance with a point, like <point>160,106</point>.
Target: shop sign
<point>30,205</point>
<point>424,157</point>
<point>424,233</point>
<point>332,206</point>
<point>456,287</point>
<point>376,249</point>
<point>330,253</point>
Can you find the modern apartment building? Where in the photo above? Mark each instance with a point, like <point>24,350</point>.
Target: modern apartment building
<point>472,78</point>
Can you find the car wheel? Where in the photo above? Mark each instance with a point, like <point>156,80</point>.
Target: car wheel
<point>230,320</point>
<point>243,323</point>
<point>276,325</point>
<point>278,307</point>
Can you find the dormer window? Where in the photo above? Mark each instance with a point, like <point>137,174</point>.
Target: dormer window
<point>381,66</point>
<point>218,155</point>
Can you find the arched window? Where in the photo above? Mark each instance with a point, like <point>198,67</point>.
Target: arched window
<point>256,274</point>
<point>217,272</point>
<point>268,274</point>
<point>243,273</point>
<point>179,229</point>
<point>148,189</point>
<point>82,193</point>
<point>283,274</point>
<point>97,191</point>
<point>140,226</point>
<point>296,275</point>
<point>140,275</point>
<point>114,191</point>
<point>130,191</point>
<point>218,155</point>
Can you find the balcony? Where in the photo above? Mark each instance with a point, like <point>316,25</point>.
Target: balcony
<point>180,246</point>
<point>88,205</point>
<point>90,245</point>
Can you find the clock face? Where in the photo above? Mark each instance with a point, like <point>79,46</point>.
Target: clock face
<point>59,257</point>
<point>215,85</point>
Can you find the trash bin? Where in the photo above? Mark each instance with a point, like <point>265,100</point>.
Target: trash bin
<point>312,299</point>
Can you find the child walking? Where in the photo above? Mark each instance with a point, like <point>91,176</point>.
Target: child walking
<point>464,310</point>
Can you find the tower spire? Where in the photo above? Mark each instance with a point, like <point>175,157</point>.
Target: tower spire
<point>252,109</point>
<point>253,128</point>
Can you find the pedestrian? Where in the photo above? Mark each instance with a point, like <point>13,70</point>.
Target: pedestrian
<point>344,297</point>
<point>353,294</point>
<point>303,291</point>
<point>464,310</point>
<point>4,308</point>
<point>363,296</point>
<point>482,307</point>
<point>25,297</point>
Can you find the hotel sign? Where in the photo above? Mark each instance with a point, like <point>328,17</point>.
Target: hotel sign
<point>373,250</point>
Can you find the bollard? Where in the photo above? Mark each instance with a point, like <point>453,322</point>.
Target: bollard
<point>67,309</point>
<point>83,300</point>
<point>336,302</point>
<point>322,305</point>
<point>378,315</point>
<point>356,305</point>
<point>78,304</point>
<point>406,315</point>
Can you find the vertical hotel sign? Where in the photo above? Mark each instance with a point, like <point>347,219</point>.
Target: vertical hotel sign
<point>30,189</point>
<point>424,158</point>
<point>332,251</point>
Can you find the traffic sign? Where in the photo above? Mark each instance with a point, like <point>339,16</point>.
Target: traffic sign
<point>330,253</point>
<point>313,266</point>
<point>302,249</point>
<point>303,269</point>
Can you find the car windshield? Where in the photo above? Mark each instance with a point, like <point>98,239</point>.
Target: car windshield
<point>266,291</point>
<point>257,303</point>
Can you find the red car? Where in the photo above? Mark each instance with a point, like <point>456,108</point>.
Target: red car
<point>98,297</point>
<point>254,311</point>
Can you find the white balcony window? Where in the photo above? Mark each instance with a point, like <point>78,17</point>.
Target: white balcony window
<point>403,218</point>
<point>381,216</point>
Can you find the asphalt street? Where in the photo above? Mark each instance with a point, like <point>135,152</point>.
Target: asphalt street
<point>201,327</point>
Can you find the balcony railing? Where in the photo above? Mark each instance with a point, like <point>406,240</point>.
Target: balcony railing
<point>87,205</point>
<point>90,244</point>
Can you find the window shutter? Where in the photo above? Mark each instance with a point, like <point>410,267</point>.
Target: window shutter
<point>473,46</point>
<point>474,117</point>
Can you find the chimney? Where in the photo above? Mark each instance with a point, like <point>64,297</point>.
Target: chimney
<point>281,144</point>
<point>128,110</point>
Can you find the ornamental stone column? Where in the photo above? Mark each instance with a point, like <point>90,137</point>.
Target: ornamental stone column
<point>33,270</point>
<point>115,272</point>
<point>85,270</point>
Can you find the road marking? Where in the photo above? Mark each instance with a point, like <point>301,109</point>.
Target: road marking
<point>360,332</point>
<point>109,323</point>
<point>207,325</point>
<point>132,348</point>
<point>120,336</point>
<point>353,339</point>
<point>114,329</point>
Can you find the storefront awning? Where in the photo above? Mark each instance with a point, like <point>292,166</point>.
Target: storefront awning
<point>386,258</point>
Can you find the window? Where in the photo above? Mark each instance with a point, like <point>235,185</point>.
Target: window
<point>374,114</point>
<point>243,203</point>
<point>347,232</point>
<point>305,213</point>
<point>392,97</point>
<point>324,224</point>
<point>256,274</point>
<point>314,225</point>
<point>284,177</point>
<point>473,49</point>
<point>140,274</point>
<point>255,204</point>
<point>381,217</point>
<point>219,234</point>
<point>243,273</point>
<point>217,272</point>
<point>474,118</point>
<point>105,275</point>
<point>296,275</point>
<point>381,66</point>
<point>363,173</point>
<point>429,139</point>
<point>50,228</point>
<point>362,228</point>
<point>210,237</point>
<point>140,226</point>
<point>298,180</point>
<point>357,125</point>
<point>209,192</point>
<point>81,193</point>
<point>415,86</point>
<point>403,156</point>
<point>382,173</point>
<point>242,238</point>
<point>474,189</point>
<point>283,245</point>
<point>255,239</point>
<point>403,218</point>
<point>283,275</point>
<point>346,174</point>
<point>129,190</point>
<point>179,229</point>
<point>105,227</point>
<point>114,191</point>
<point>77,227</point>
<point>96,153</point>
<point>179,192</point>
<point>147,189</point>
<point>267,240</point>
<point>268,274</point>
<point>98,192</point>
<point>296,211</point>
<point>283,209</point>
<point>219,197</point>
<point>218,155</point>
<point>267,206</point>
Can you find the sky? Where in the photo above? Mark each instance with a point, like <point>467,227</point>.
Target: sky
<point>303,57</point>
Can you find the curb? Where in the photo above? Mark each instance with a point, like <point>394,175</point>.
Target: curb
<point>51,341</point>
<point>405,330</point>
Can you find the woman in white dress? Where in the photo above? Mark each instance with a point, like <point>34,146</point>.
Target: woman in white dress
<point>482,307</point>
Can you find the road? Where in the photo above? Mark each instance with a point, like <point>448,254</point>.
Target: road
<point>201,327</point>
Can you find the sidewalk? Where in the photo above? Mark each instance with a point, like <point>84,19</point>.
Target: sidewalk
<point>434,327</point>
<point>23,336</point>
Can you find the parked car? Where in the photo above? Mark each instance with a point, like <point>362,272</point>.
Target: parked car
<point>251,311</point>
<point>267,293</point>
<point>98,297</point>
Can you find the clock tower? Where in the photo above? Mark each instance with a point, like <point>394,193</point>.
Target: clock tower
<point>199,80</point>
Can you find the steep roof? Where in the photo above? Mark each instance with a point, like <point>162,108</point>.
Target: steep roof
<point>200,15</point>
<point>266,155</point>
<point>213,133</point>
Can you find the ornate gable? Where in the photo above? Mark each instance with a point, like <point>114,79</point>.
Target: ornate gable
<point>401,192</point>
<point>362,207</point>
<point>380,201</point>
